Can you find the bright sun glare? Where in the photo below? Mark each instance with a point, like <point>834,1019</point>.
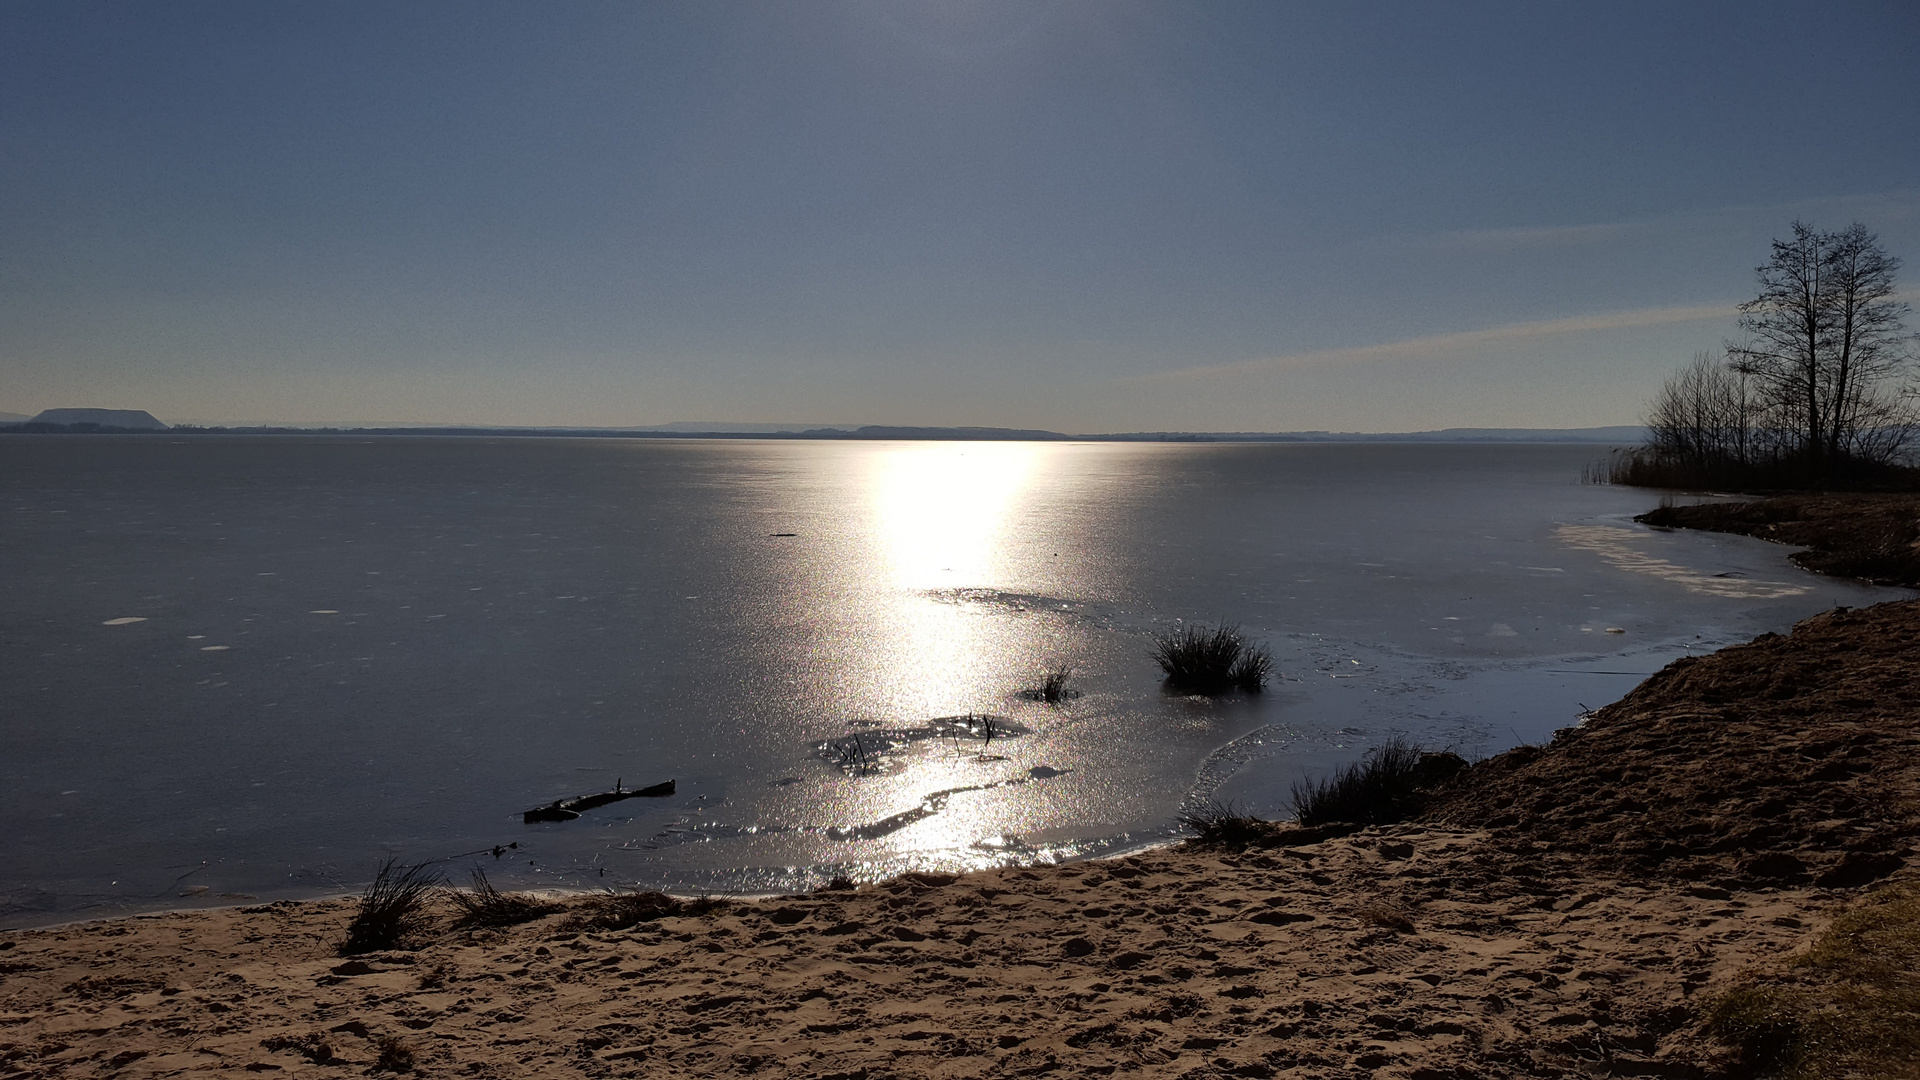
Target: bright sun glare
<point>942,511</point>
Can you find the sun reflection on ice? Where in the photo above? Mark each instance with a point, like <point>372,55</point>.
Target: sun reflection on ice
<point>943,510</point>
<point>941,517</point>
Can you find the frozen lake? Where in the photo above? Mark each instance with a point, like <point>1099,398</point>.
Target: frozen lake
<point>237,667</point>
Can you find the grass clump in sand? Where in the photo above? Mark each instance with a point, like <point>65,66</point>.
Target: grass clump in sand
<point>395,1054</point>
<point>1377,789</point>
<point>484,905</point>
<point>1849,1007</point>
<point>1217,824</point>
<point>393,908</point>
<point>1203,661</point>
<point>623,911</point>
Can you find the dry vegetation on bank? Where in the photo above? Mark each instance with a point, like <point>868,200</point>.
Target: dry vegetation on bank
<point>1872,537</point>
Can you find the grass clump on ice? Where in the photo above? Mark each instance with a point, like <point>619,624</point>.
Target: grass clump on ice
<point>1847,1007</point>
<point>1053,685</point>
<point>1203,661</point>
<point>393,908</point>
<point>1377,789</point>
<point>484,905</point>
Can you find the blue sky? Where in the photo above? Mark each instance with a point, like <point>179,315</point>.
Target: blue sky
<point>1079,216</point>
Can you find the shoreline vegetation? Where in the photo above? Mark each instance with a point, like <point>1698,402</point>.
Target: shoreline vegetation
<point>1818,392</point>
<point>1679,887</point>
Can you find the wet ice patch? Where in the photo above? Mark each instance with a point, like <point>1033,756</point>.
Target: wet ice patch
<point>1618,547</point>
<point>125,620</point>
<point>215,648</point>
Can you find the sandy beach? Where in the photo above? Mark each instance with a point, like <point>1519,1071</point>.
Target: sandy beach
<point>1406,951</point>
<point>1555,911</point>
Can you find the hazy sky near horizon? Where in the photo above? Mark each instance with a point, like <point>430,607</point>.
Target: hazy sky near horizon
<point>1086,217</point>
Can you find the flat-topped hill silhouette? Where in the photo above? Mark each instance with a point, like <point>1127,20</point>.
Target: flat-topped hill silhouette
<point>135,419</point>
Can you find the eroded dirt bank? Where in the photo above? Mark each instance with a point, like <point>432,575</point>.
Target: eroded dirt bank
<point>1558,911</point>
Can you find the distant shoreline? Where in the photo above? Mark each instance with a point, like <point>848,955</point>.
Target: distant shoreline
<point>1604,436</point>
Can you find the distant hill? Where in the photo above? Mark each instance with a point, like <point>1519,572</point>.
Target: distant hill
<point>129,419</point>
<point>1619,433</point>
<point>875,431</point>
<point>1616,435</point>
<point>730,427</point>
<point>14,418</point>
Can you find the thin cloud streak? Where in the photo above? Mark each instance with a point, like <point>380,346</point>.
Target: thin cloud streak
<point>1418,347</point>
<point>1881,206</point>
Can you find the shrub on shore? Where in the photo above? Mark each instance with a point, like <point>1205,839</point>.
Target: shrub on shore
<point>1651,467</point>
<point>1217,824</point>
<point>393,908</point>
<point>1377,789</point>
<point>484,905</point>
<point>1203,661</point>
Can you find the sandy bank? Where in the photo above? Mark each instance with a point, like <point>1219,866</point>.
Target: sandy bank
<point>1559,911</point>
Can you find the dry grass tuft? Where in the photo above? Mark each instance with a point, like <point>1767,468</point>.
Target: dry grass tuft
<point>1053,685</point>
<point>395,1054</point>
<point>1202,661</point>
<point>1218,824</point>
<point>485,905</point>
<point>623,911</point>
<point>1377,789</point>
<point>393,908</point>
<point>1849,1007</point>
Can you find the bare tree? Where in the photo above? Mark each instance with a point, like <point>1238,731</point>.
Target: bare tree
<point>1708,416</point>
<point>1827,347</point>
<point>1787,328</point>
<point>1868,342</point>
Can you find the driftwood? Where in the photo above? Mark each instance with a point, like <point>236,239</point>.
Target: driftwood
<point>568,809</point>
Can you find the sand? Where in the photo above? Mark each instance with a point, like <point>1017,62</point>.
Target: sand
<point>1400,951</point>
<point>1557,911</point>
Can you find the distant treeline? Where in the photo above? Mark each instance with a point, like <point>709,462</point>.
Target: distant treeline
<point>32,427</point>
